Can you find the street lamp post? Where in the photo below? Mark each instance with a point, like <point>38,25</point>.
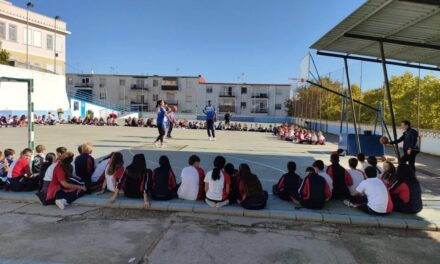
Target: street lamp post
<point>55,54</point>
<point>28,6</point>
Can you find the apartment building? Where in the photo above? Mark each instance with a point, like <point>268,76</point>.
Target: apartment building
<point>136,93</point>
<point>27,35</point>
<point>189,93</point>
<point>247,99</point>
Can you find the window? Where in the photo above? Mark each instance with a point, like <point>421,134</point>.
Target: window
<point>25,36</point>
<point>69,80</point>
<point>13,32</point>
<point>243,90</point>
<point>243,105</point>
<point>37,38</point>
<point>102,95</point>
<point>49,42</point>
<point>279,91</point>
<point>121,82</point>
<point>208,89</point>
<point>188,99</point>
<point>2,30</point>
<point>155,83</point>
<point>277,106</point>
<point>155,97</point>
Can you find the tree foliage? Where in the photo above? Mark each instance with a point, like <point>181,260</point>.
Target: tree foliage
<point>4,55</point>
<point>314,102</point>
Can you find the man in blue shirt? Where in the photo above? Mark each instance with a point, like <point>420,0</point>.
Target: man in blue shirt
<point>210,113</point>
<point>410,139</point>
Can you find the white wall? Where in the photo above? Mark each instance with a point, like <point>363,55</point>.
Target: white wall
<point>49,91</point>
<point>97,110</point>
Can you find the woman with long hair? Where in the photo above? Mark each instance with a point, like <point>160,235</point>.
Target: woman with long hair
<point>113,172</point>
<point>253,197</point>
<point>63,189</point>
<point>162,185</point>
<point>161,116</point>
<point>406,192</point>
<point>217,184</point>
<point>134,180</point>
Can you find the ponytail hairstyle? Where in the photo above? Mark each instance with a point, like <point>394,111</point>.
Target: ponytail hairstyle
<point>158,103</point>
<point>65,162</point>
<point>406,174</point>
<point>116,162</point>
<point>219,164</point>
<point>164,162</point>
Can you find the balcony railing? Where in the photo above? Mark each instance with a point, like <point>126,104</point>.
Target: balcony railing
<point>261,96</point>
<point>226,108</point>
<point>136,102</point>
<point>172,102</point>
<point>226,94</point>
<point>170,87</point>
<point>259,111</point>
<point>139,87</point>
<point>90,85</point>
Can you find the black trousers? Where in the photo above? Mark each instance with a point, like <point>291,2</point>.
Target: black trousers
<point>362,205</point>
<point>170,129</point>
<point>210,127</point>
<point>411,159</point>
<point>22,184</point>
<point>69,196</point>
<point>161,130</point>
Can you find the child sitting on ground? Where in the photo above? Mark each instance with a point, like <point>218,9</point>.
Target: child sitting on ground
<point>4,167</point>
<point>113,172</point>
<point>321,138</point>
<point>371,196</point>
<point>19,175</point>
<point>38,160</point>
<point>162,185</point>
<point>288,185</point>
<point>192,176</point>
<point>85,166</point>
<point>252,195</point>
<point>217,184</point>
<point>10,156</point>
<point>357,175</point>
<point>314,190</point>
<point>340,177</point>
<point>405,192</point>
<point>372,161</point>
<point>361,159</point>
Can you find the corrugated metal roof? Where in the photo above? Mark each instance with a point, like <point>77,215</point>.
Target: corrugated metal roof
<point>388,19</point>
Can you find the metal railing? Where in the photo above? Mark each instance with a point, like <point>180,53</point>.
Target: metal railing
<point>226,94</point>
<point>84,96</point>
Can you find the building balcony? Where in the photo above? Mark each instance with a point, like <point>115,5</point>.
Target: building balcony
<point>261,96</point>
<point>139,87</point>
<point>89,85</point>
<point>170,88</point>
<point>226,94</point>
<point>172,102</point>
<point>226,108</point>
<point>259,111</point>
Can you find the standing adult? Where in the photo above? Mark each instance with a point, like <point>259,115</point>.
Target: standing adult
<point>211,115</point>
<point>411,148</point>
<point>160,120</point>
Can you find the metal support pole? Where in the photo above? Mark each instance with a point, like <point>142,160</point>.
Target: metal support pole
<point>31,120</point>
<point>358,142</point>
<point>390,101</point>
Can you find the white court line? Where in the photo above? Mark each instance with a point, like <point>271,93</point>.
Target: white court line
<point>249,161</point>
<point>152,161</point>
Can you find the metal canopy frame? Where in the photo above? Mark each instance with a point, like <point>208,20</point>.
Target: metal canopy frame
<point>30,91</point>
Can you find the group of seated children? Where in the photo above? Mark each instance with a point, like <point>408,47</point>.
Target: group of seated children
<point>368,189</point>
<point>299,135</point>
<point>60,179</point>
<point>110,120</point>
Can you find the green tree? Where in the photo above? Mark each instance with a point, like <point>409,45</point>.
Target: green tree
<point>4,55</point>
<point>288,105</point>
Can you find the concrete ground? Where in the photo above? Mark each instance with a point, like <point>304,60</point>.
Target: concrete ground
<point>91,235</point>
<point>82,234</point>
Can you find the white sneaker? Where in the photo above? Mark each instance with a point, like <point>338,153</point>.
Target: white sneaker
<point>157,144</point>
<point>163,146</point>
<point>214,139</point>
<point>61,203</point>
<point>210,138</point>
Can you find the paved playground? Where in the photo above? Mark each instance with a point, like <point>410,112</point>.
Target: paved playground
<point>145,236</point>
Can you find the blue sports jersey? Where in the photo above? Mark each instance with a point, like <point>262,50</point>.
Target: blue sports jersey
<point>161,116</point>
<point>209,111</point>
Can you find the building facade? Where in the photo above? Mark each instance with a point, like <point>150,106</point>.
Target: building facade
<point>32,37</point>
<point>136,93</point>
<point>189,93</point>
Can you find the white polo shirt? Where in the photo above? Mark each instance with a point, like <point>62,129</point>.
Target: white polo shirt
<point>376,192</point>
<point>189,188</point>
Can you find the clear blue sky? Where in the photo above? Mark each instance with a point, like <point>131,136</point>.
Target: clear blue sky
<point>220,39</point>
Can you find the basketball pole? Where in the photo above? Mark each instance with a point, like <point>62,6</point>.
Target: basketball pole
<point>30,105</point>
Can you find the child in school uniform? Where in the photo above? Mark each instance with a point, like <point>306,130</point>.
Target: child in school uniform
<point>217,184</point>
<point>252,195</point>
<point>20,176</point>
<point>162,185</point>
<point>314,190</point>
<point>192,177</point>
<point>340,177</point>
<point>85,166</point>
<point>357,175</point>
<point>363,164</point>
<point>406,192</point>
<point>38,160</point>
<point>288,185</point>
<point>371,196</point>
<point>113,172</point>
<point>4,167</point>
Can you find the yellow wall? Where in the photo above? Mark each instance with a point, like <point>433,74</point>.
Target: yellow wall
<point>21,57</point>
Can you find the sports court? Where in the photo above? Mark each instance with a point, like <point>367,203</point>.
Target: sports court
<point>263,152</point>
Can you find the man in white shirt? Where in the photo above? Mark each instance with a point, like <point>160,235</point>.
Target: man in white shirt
<point>191,175</point>
<point>374,197</point>
<point>318,165</point>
